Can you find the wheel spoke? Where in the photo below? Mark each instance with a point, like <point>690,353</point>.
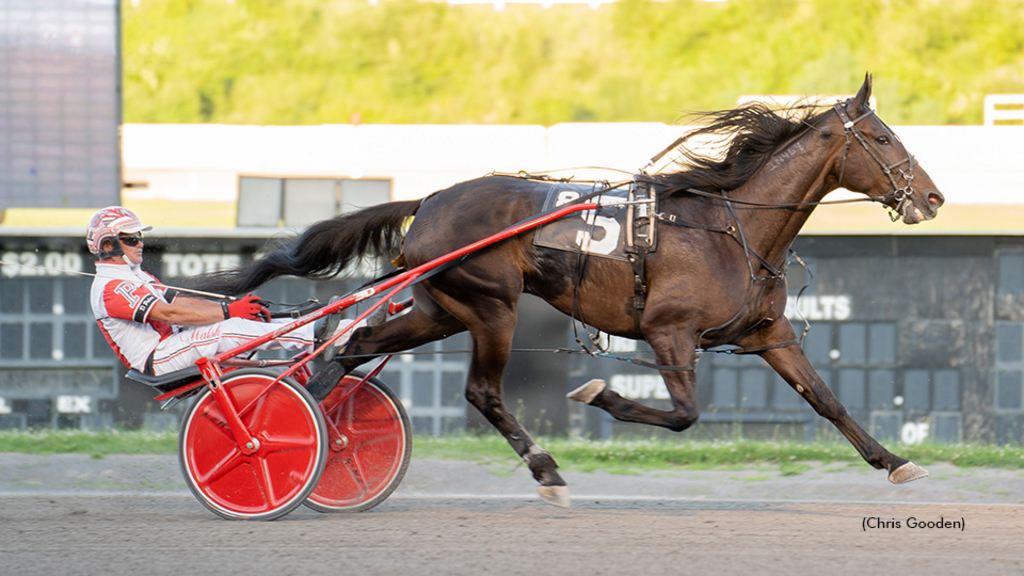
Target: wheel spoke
<point>227,464</point>
<point>270,444</point>
<point>332,428</point>
<point>213,414</point>
<point>253,412</point>
<point>256,402</point>
<point>355,470</point>
<point>265,481</point>
<point>345,420</point>
<point>361,436</point>
<point>364,440</point>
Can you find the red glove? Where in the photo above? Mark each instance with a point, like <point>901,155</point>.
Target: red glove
<point>250,307</point>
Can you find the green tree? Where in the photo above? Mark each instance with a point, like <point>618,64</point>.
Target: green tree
<point>405,61</point>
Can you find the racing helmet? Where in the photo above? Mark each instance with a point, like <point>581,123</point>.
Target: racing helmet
<point>107,224</point>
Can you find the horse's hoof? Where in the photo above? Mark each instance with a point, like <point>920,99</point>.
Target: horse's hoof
<point>555,495</point>
<point>588,391</point>
<point>907,473</point>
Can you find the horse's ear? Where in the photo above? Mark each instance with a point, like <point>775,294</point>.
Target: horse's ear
<point>863,97</point>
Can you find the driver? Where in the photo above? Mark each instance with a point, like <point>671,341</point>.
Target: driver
<point>154,329</point>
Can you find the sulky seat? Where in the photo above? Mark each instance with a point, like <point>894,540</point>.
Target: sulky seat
<point>169,381</point>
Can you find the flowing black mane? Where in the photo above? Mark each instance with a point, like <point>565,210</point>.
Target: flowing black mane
<point>749,134</point>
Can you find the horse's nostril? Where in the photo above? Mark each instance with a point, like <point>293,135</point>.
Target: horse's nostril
<point>936,199</point>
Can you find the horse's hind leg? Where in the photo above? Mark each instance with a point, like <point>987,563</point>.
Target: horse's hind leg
<point>491,323</point>
<point>792,364</point>
<point>672,349</point>
<point>425,323</point>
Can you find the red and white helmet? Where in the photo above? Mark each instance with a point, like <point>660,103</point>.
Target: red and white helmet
<point>108,223</point>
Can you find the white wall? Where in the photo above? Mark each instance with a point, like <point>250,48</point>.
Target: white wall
<point>201,162</point>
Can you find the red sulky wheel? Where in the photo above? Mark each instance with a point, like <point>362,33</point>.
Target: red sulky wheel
<point>369,445</point>
<point>284,469</point>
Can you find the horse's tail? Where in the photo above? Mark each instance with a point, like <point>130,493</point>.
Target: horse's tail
<point>321,251</point>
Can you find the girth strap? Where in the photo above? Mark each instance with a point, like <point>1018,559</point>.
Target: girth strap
<point>638,259</point>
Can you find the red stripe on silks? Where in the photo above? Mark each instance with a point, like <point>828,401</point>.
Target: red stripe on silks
<point>113,345</point>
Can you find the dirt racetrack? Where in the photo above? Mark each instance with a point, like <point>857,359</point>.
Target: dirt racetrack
<point>132,515</point>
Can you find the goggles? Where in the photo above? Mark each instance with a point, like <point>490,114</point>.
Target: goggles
<point>131,240</point>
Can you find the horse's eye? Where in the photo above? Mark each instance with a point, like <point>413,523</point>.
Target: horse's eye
<point>883,139</point>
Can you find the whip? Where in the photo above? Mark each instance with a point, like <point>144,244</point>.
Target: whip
<point>139,282</point>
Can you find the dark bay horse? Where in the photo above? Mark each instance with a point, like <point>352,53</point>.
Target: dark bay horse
<point>716,278</point>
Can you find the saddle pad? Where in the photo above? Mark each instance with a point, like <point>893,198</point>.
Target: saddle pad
<point>600,232</point>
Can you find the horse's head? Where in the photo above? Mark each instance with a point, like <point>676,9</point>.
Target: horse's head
<point>873,161</point>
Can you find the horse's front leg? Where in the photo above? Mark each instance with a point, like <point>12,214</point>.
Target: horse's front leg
<point>676,353</point>
<point>792,364</point>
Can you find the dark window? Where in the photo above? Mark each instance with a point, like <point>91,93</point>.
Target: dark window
<point>74,340</point>
<point>797,276</point>
<point>452,384</point>
<point>40,296</point>
<point>40,338</point>
<point>915,390</point>
<point>452,425</point>
<point>12,296</point>
<point>100,347</point>
<point>818,343</point>
<point>1009,364</point>
<point>852,343</point>
<point>1011,273</point>
<point>945,428</point>
<point>753,388</point>
<point>423,425</point>
<point>783,395</point>
<point>12,341</point>
<point>851,388</point>
<point>882,343</point>
<point>881,389</point>
<point>724,393</point>
<point>1008,390</point>
<point>946,390</point>
<point>1009,342</point>
<point>76,296</point>
<point>885,426</point>
<point>423,388</point>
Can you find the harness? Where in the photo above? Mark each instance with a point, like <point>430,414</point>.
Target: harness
<point>643,217</point>
<point>641,236</point>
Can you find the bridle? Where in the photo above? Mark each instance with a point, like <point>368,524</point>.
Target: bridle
<point>894,172</point>
<point>900,194</point>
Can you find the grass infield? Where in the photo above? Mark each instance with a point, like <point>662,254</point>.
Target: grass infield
<point>617,456</point>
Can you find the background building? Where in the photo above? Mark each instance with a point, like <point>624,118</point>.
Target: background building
<point>919,330</point>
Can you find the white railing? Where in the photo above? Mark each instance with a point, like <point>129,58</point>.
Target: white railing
<point>972,164</point>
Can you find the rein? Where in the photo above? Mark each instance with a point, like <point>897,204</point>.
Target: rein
<point>880,199</point>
